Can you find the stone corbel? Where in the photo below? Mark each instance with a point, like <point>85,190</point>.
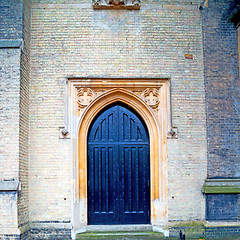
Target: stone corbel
<point>173,133</point>
<point>63,133</point>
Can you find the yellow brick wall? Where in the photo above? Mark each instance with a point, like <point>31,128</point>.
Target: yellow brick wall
<point>75,40</point>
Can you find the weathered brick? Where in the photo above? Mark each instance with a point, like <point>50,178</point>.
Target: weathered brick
<point>221,64</point>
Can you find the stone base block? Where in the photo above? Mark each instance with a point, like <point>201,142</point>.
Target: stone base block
<point>9,237</point>
<point>222,232</point>
<point>206,230</point>
<point>51,234</point>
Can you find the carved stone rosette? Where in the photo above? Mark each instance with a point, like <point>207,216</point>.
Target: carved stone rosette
<point>85,96</point>
<point>151,97</point>
<point>116,4</point>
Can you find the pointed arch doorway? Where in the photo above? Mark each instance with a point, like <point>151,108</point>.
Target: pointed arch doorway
<point>151,101</point>
<point>118,167</point>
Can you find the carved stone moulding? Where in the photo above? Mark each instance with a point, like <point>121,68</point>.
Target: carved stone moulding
<point>85,96</point>
<point>151,97</point>
<point>89,89</point>
<point>117,4</point>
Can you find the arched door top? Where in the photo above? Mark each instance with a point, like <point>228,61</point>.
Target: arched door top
<point>125,97</point>
<point>132,133</point>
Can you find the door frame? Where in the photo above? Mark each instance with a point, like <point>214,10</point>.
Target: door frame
<point>156,115</point>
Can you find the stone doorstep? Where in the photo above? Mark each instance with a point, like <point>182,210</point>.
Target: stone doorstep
<point>96,234</point>
<point>120,235</point>
<point>120,228</point>
<point>122,232</point>
<point>194,230</point>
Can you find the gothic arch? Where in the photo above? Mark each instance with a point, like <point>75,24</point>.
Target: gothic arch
<point>158,169</point>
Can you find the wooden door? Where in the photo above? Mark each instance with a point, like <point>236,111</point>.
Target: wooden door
<point>118,168</point>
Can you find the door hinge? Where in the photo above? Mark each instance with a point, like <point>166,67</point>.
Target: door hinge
<point>148,213</point>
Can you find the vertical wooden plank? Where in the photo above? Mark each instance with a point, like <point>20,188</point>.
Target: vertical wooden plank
<point>125,127</point>
<point>133,179</point>
<point>96,179</point>
<point>99,173</point>
<point>137,178</point>
<point>110,127</point>
<point>110,181</point>
<point>103,179</point>
<point>126,177</point>
<point>133,128</point>
<point>103,130</point>
<point>140,180</point>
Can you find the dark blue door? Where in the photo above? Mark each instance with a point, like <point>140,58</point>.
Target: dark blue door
<point>118,168</point>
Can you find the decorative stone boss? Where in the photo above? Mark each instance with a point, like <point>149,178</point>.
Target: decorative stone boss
<point>116,4</point>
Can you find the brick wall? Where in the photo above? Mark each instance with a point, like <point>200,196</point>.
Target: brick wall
<point>8,211</point>
<point>222,232</point>
<point>222,90</point>
<point>9,124</point>
<point>223,207</point>
<point>10,28</point>
<point>11,19</point>
<point>9,132</point>
<point>24,116</point>
<point>74,40</point>
<point>222,96</point>
<point>11,114</point>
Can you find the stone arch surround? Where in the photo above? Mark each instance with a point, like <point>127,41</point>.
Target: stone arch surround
<point>155,113</point>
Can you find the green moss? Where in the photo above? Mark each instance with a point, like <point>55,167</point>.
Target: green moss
<point>121,235</point>
<point>221,189</point>
<point>217,186</point>
<point>187,224</point>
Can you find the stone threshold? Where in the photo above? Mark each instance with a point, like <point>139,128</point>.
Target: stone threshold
<point>121,230</point>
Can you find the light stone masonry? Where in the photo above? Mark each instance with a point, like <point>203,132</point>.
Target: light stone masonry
<point>9,141</point>
<point>9,97</point>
